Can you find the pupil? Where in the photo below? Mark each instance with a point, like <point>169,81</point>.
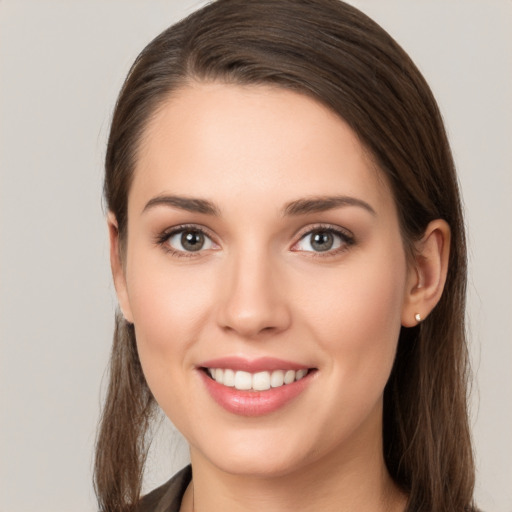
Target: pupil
<point>192,240</point>
<point>322,241</point>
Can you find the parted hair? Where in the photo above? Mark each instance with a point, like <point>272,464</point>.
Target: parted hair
<point>332,52</point>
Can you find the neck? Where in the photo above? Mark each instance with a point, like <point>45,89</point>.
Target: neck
<point>360,482</point>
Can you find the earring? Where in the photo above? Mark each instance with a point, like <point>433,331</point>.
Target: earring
<point>417,317</point>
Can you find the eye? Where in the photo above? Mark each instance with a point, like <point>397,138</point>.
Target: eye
<point>187,240</point>
<point>323,240</point>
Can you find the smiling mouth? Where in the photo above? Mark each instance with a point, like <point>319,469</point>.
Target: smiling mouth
<point>259,381</point>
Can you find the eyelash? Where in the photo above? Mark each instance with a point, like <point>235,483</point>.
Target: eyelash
<point>162,239</point>
<point>347,239</point>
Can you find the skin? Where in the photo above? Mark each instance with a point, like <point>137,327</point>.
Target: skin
<point>260,289</point>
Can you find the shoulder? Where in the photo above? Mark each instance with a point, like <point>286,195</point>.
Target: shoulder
<point>167,497</point>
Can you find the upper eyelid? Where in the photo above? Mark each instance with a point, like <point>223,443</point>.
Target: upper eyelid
<point>184,227</point>
<point>301,233</point>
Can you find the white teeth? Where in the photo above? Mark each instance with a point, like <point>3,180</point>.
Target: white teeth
<point>229,378</point>
<point>243,380</point>
<point>277,378</point>
<point>289,377</point>
<point>260,381</point>
<point>300,374</point>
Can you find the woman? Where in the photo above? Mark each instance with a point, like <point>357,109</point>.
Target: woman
<point>288,251</point>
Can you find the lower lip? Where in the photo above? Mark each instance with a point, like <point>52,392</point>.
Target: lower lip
<point>254,403</point>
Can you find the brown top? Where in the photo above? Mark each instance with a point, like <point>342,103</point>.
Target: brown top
<point>167,497</point>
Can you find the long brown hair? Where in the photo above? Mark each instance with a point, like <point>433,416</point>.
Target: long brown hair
<point>334,53</point>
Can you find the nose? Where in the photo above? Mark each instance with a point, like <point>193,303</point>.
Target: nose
<point>253,299</point>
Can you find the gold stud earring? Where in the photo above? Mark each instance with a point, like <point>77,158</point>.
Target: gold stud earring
<point>417,317</point>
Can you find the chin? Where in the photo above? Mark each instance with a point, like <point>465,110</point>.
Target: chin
<point>256,454</point>
<point>259,467</point>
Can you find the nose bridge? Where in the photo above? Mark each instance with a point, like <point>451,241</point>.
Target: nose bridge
<point>253,300</point>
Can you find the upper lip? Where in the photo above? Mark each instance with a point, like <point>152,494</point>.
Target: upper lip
<point>260,364</point>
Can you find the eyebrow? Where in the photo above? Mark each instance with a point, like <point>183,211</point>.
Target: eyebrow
<point>298,207</point>
<point>183,203</point>
<point>324,203</point>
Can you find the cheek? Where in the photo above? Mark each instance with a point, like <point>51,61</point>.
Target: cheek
<point>356,314</point>
<point>170,306</point>
<point>169,309</point>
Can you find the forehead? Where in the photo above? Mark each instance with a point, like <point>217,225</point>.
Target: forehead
<point>221,139</point>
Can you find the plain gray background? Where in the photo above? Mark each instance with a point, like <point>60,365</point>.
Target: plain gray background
<point>62,64</point>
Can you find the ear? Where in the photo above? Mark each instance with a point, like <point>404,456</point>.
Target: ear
<point>427,274</point>
<point>116,264</point>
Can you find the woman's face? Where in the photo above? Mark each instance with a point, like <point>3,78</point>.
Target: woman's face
<point>263,245</point>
